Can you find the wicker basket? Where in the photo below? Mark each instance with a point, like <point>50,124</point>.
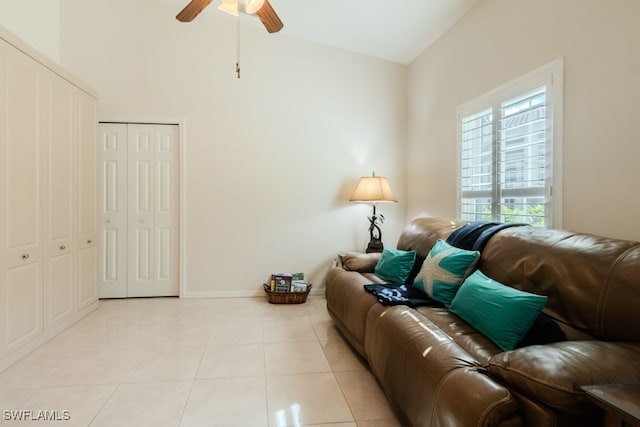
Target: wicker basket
<point>286,297</point>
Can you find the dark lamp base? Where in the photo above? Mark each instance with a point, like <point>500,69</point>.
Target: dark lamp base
<point>375,245</point>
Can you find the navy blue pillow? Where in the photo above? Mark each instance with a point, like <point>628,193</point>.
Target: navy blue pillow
<point>417,265</point>
<point>543,331</point>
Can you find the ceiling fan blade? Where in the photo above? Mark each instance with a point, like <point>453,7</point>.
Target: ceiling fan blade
<point>192,10</point>
<point>269,18</point>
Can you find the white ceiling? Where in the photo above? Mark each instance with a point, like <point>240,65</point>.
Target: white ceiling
<point>397,30</point>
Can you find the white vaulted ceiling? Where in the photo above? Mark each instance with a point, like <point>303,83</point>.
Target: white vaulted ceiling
<point>395,30</point>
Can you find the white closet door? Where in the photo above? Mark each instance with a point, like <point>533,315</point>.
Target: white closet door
<point>153,215</point>
<point>139,219</point>
<point>141,208</point>
<point>59,285</point>
<point>22,244</point>
<point>166,213</point>
<point>87,222</point>
<point>112,208</point>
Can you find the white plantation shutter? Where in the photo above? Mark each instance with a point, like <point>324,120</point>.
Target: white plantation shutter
<point>506,152</point>
<point>477,157</point>
<point>524,142</point>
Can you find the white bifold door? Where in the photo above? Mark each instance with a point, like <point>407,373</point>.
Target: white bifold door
<point>139,210</point>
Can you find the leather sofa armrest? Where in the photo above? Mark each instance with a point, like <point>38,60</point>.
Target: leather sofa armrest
<point>553,373</point>
<point>360,262</point>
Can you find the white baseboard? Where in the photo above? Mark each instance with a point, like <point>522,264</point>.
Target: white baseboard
<point>223,294</point>
<point>239,294</point>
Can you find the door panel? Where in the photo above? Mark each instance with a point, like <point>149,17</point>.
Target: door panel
<point>87,258</point>
<point>87,179</point>
<point>141,220</point>
<point>23,132</point>
<point>23,309</point>
<point>167,218</point>
<point>112,208</point>
<point>59,288</point>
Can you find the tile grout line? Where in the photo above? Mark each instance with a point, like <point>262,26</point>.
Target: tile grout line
<point>113,391</point>
<point>193,381</point>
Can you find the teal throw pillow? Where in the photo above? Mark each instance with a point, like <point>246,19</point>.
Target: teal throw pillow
<point>395,265</point>
<point>444,270</point>
<point>503,314</point>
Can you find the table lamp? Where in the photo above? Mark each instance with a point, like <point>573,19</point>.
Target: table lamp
<point>373,189</point>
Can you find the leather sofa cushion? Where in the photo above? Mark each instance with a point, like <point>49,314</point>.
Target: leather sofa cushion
<point>468,338</point>
<point>448,386</point>
<point>553,373</point>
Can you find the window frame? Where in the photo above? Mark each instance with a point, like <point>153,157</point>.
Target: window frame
<point>552,77</point>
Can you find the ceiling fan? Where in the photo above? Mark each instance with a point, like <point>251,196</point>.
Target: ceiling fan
<point>262,8</point>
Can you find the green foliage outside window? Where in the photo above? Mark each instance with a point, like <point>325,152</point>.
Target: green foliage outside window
<point>534,215</point>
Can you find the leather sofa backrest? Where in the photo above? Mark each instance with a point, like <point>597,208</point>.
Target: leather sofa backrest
<point>593,282</point>
<point>422,233</point>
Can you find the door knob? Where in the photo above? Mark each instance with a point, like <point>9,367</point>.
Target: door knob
<point>63,247</point>
<point>25,256</point>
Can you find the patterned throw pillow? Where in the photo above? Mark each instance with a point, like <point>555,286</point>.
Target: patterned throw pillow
<point>444,270</point>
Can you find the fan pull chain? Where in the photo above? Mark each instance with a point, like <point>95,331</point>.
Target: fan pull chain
<point>238,47</point>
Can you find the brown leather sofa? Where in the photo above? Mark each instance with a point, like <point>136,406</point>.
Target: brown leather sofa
<point>436,370</point>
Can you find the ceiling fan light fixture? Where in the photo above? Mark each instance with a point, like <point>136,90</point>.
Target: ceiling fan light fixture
<point>253,6</point>
<point>261,8</point>
<point>229,6</point>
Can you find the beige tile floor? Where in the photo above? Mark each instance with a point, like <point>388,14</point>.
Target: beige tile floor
<point>206,362</point>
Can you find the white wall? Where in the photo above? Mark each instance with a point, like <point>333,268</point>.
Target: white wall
<point>37,22</point>
<point>499,40</point>
<point>271,158</point>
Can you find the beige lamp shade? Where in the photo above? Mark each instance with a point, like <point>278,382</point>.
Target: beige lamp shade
<point>373,189</point>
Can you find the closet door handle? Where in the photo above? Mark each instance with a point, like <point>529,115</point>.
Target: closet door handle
<point>63,247</point>
<point>25,256</point>
<point>89,241</point>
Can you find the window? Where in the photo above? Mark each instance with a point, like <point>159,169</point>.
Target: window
<point>509,144</point>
